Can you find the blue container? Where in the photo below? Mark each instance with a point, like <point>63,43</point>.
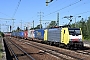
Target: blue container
<point>16,34</point>
<point>21,34</point>
<point>39,34</point>
<point>13,34</point>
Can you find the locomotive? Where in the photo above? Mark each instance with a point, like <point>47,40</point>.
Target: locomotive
<point>67,37</point>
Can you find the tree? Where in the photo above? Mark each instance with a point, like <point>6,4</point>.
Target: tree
<point>84,29</point>
<point>1,34</point>
<point>18,29</point>
<point>37,27</point>
<point>84,26</point>
<point>53,23</point>
<point>88,27</point>
<point>73,25</point>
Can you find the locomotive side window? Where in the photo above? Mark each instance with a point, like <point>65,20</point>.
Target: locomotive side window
<point>64,31</point>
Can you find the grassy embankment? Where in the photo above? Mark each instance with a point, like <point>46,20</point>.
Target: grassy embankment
<point>0,50</point>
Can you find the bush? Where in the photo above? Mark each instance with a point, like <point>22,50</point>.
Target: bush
<point>1,34</point>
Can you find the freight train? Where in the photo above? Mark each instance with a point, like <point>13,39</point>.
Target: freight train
<point>63,37</point>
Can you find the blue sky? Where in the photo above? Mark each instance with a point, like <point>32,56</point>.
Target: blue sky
<point>29,10</point>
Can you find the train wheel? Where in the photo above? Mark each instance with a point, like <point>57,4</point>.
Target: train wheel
<point>66,46</point>
<point>59,45</point>
<point>47,43</point>
<point>50,43</point>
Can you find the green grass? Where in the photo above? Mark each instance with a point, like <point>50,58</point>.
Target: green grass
<point>0,51</point>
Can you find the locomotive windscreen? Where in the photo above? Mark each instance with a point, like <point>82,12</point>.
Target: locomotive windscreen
<point>73,31</point>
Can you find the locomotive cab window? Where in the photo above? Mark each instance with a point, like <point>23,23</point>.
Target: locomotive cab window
<point>74,32</point>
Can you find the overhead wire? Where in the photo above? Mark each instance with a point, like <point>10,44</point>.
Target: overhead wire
<point>64,7</point>
<point>52,4</point>
<point>82,13</point>
<point>77,7</point>
<point>16,8</point>
<point>47,6</point>
<point>60,4</point>
<point>5,19</point>
<point>4,14</point>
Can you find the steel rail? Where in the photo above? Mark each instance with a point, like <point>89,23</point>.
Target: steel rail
<point>9,47</point>
<point>51,50</point>
<point>23,51</point>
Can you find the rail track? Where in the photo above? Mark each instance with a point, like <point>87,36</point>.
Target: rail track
<point>19,54</point>
<point>62,54</point>
<point>55,52</point>
<point>33,52</point>
<point>85,51</point>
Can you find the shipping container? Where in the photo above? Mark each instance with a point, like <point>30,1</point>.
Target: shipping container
<point>17,34</point>
<point>31,34</point>
<point>13,34</point>
<point>39,34</point>
<point>25,34</point>
<point>21,34</point>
